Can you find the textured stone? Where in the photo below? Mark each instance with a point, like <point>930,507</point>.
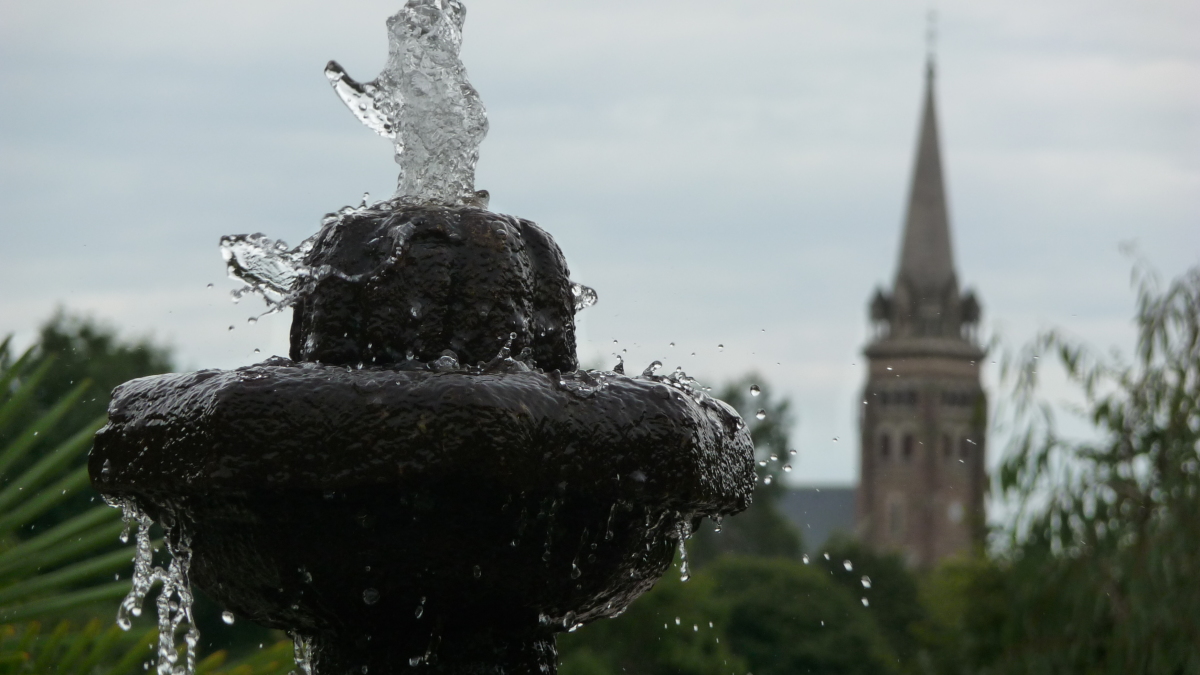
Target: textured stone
<point>394,281</point>
<point>515,503</point>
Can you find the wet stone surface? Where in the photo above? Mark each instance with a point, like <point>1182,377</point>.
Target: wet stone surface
<point>394,282</point>
<point>506,503</point>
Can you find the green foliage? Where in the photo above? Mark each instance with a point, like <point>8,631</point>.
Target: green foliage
<point>675,629</point>
<point>787,618</point>
<point>761,529</point>
<point>83,361</point>
<point>95,650</point>
<point>1099,573</point>
<point>75,651</point>
<point>888,587</point>
<point>770,616</point>
<point>49,571</point>
<point>82,349</point>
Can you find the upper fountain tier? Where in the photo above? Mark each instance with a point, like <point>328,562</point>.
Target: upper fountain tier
<point>423,101</point>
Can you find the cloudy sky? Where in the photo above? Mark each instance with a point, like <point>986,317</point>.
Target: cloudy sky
<point>721,172</point>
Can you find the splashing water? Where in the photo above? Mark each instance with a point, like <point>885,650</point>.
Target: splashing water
<point>585,296</point>
<point>174,598</point>
<point>280,276</point>
<point>683,531</point>
<point>267,266</point>
<point>302,653</point>
<point>424,103</point>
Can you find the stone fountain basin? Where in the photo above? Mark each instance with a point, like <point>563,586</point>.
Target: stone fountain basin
<point>336,502</point>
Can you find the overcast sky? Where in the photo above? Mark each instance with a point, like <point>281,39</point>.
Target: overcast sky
<point>721,172</point>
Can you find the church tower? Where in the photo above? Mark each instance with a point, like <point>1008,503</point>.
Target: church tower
<point>923,411</point>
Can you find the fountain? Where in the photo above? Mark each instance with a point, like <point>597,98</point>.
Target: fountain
<point>429,481</point>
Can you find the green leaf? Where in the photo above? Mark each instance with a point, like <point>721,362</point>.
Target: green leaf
<point>65,601</point>
<point>85,521</point>
<point>49,465</point>
<point>16,402</point>
<point>68,575</point>
<point>45,499</point>
<point>100,537</point>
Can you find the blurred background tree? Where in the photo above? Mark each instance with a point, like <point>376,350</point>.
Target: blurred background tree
<point>762,529</point>
<point>1098,569</point>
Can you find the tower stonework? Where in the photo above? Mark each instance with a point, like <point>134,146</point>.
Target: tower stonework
<point>923,412</point>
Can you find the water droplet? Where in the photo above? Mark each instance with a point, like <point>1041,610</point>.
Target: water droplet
<point>695,628</point>
<point>209,286</point>
<point>866,582</point>
<point>720,348</point>
<point>804,559</point>
<point>866,603</point>
<point>835,439</point>
<point>787,468</point>
<point>774,457</point>
<point>652,368</point>
<point>227,617</point>
<point>370,596</point>
<point>761,414</point>
<point>848,565</point>
<point>365,199</point>
<point>476,572</point>
<point>419,611</point>
<point>792,451</point>
<point>767,480</point>
<point>671,344</point>
<point>231,328</point>
<point>676,621</point>
<point>252,320</point>
<point>754,390</point>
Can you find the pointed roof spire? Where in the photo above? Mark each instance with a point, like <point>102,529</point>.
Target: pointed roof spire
<point>926,258</point>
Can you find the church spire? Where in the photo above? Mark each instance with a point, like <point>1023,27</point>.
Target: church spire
<point>926,258</point>
<point>925,301</point>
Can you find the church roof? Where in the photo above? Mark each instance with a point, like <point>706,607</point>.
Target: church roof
<point>926,259</point>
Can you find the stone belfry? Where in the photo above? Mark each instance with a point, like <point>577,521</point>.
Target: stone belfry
<point>923,411</point>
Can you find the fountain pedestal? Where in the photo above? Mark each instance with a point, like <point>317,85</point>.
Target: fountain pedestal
<point>424,511</point>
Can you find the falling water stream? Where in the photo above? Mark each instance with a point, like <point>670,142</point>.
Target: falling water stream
<point>175,598</point>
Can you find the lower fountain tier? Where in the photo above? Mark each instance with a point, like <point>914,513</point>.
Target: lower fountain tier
<point>388,514</point>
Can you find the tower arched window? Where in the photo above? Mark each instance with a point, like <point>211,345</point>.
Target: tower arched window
<point>908,446</point>
<point>885,446</point>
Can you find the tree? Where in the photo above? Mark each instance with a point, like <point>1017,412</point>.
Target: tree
<point>675,629</point>
<point>1098,571</point>
<point>885,585</point>
<point>787,618</point>
<point>761,529</point>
